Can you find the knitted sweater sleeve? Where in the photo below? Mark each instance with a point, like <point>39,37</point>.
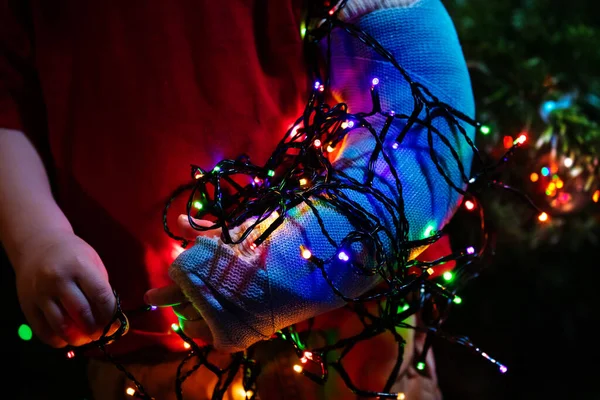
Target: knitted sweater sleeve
<point>246,295</point>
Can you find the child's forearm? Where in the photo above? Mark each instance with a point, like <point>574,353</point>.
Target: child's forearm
<point>245,296</point>
<point>27,207</point>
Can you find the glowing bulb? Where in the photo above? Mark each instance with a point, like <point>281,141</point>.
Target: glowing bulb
<point>186,345</point>
<point>321,88</point>
<point>245,394</point>
<point>271,172</point>
<point>469,205</point>
<point>304,360</point>
<point>543,217</point>
<point>70,354</point>
<point>317,143</point>
<point>317,84</point>
<point>130,391</point>
<point>25,332</point>
<point>521,139</point>
<point>507,141</point>
<point>294,131</point>
<point>545,171</point>
<point>403,308</point>
<point>448,276</point>
<point>559,184</point>
<point>217,168</point>
<point>308,355</point>
<point>344,125</point>
<point>152,308</point>
<point>568,162</point>
<point>298,368</point>
<point>430,271</point>
<point>198,175</point>
<point>596,196</point>
<point>198,205</point>
<point>257,179</point>
<point>392,113</point>
<point>485,129</point>
<point>420,365</point>
<point>401,396</point>
<point>534,177</point>
<point>303,181</point>
<point>375,81</point>
<point>457,300</point>
<point>428,231</point>
<point>471,250</point>
<point>350,124</point>
<point>395,146</point>
<point>175,327</point>
<point>343,256</point>
<point>330,149</point>
<point>503,369</point>
<point>306,254</point>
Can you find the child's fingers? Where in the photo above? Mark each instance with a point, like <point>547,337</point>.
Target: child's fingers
<point>62,324</point>
<point>197,330</point>
<point>78,308</point>
<point>165,296</point>
<point>187,311</point>
<point>188,232</point>
<point>42,329</point>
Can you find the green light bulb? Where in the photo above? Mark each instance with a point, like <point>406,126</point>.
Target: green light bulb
<point>485,129</point>
<point>420,365</point>
<point>403,308</point>
<point>25,332</point>
<point>198,205</point>
<point>457,300</point>
<point>448,276</point>
<point>428,231</point>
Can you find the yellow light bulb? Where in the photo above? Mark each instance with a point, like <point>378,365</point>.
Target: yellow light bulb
<point>297,368</point>
<point>306,253</point>
<point>130,391</point>
<point>534,177</point>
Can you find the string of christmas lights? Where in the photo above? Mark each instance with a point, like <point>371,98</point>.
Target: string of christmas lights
<point>299,171</point>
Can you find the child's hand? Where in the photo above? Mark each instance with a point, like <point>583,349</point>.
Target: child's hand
<point>190,319</point>
<point>63,289</point>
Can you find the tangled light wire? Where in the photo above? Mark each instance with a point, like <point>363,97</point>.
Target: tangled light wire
<point>299,172</point>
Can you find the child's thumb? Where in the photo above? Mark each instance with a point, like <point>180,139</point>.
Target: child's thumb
<point>188,232</point>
